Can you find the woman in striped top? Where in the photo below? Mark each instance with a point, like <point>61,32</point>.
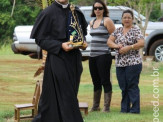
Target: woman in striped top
<point>100,58</point>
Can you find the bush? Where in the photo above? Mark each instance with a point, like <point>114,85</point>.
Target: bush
<point>23,15</point>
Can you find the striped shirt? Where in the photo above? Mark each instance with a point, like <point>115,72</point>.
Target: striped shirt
<point>100,35</point>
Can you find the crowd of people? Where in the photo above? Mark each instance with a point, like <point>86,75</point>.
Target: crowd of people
<point>52,31</point>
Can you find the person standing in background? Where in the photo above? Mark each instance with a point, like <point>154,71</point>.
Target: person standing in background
<point>128,40</point>
<point>100,58</point>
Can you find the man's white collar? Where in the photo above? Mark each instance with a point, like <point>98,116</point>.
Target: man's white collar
<point>63,6</point>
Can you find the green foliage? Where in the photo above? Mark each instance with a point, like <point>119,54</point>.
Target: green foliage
<point>4,5</point>
<point>28,14</point>
<point>156,12</point>
<point>23,15</point>
<point>143,7</point>
<point>82,2</point>
<point>135,4</point>
<point>5,114</point>
<point>7,24</point>
<point>6,49</point>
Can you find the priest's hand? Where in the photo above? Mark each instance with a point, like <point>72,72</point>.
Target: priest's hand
<point>84,46</point>
<point>66,46</point>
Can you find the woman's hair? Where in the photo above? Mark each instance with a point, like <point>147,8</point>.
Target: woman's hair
<point>128,11</point>
<point>106,12</point>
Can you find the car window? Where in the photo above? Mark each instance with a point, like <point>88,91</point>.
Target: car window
<point>115,15</point>
<point>87,14</point>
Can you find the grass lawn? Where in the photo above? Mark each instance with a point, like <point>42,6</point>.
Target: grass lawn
<point>17,86</point>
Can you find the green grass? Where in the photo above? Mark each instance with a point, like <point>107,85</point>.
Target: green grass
<point>115,116</point>
<point>6,50</point>
<point>17,86</point>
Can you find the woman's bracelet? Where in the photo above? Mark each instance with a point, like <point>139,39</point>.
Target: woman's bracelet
<point>132,47</point>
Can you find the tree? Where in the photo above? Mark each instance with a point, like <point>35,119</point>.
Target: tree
<point>82,2</point>
<point>22,14</point>
<point>13,7</point>
<point>6,22</point>
<point>105,1</point>
<point>141,6</point>
<point>156,12</point>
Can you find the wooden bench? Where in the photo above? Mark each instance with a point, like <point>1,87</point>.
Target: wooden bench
<point>83,107</point>
<point>34,105</point>
<point>30,106</point>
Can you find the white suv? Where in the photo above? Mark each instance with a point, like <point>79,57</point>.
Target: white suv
<point>153,41</point>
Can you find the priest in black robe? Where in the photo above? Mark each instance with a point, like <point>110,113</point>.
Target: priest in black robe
<point>63,67</point>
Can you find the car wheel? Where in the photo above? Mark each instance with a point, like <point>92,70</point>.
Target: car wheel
<point>156,50</point>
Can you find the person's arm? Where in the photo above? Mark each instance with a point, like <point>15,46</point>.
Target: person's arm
<point>139,44</point>
<point>140,40</point>
<point>135,46</point>
<point>66,47</point>
<point>53,46</point>
<point>108,23</point>
<point>84,46</point>
<point>111,43</point>
<point>111,28</point>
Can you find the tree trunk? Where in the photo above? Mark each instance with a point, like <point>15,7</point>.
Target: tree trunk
<point>105,1</point>
<point>13,7</point>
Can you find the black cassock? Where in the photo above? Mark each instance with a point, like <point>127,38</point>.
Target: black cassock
<point>58,102</point>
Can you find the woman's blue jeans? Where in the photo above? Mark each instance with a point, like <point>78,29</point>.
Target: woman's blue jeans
<point>128,79</point>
